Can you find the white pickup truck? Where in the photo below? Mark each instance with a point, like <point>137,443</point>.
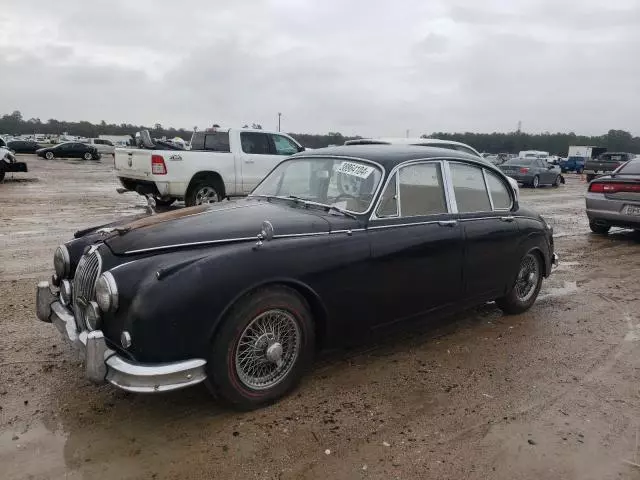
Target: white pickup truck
<point>221,163</point>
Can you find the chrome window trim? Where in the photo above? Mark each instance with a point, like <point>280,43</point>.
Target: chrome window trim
<point>402,225</point>
<point>334,157</point>
<point>396,169</point>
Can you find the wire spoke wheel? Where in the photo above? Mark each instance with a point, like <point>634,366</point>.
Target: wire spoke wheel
<point>527,277</point>
<point>268,349</point>
<point>206,195</point>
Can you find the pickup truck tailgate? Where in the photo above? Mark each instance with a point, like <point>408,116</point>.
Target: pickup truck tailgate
<point>133,163</point>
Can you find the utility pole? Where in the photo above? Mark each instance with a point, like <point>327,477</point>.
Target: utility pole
<point>519,126</point>
<point>279,115</point>
<point>408,133</point>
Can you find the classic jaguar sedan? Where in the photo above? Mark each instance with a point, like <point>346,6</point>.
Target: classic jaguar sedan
<point>331,244</point>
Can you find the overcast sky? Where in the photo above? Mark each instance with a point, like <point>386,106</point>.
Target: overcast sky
<point>369,67</point>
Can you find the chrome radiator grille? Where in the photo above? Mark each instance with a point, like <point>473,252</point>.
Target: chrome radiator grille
<point>84,284</point>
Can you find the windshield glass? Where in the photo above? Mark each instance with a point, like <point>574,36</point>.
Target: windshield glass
<point>630,168</point>
<point>347,184</point>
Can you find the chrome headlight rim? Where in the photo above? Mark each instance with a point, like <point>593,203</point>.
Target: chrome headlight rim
<point>66,292</point>
<point>62,253</point>
<point>108,282</point>
<point>92,316</point>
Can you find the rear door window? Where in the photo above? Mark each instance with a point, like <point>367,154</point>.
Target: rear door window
<point>255,143</point>
<point>217,142</point>
<point>469,188</point>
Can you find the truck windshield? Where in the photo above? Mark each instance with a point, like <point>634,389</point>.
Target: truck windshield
<point>347,184</point>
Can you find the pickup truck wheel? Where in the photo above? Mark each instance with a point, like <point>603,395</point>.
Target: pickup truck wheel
<point>535,183</point>
<point>49,155</point>
<point>262,348</point>
<point>557,181</point>
<point>526,287</point>
<point>201,193</point>
<point>599,229</point>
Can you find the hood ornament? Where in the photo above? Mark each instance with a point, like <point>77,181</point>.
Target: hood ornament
<point>266,233</point>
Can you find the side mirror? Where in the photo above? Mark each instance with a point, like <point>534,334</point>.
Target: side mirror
<point>301,148</point>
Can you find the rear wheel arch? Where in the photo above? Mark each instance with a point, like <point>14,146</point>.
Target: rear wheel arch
<point>212,176</point>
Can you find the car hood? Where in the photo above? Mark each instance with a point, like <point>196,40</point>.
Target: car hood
<point>210,224</point>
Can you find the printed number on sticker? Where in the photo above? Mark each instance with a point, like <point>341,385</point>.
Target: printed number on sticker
<point>355,169</point>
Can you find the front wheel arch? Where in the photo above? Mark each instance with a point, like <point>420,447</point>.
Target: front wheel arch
<point>316,306</point>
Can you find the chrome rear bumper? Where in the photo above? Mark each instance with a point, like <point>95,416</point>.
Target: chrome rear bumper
<point>104,364</point>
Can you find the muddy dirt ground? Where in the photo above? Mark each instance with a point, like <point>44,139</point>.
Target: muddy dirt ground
<point>552,393</point>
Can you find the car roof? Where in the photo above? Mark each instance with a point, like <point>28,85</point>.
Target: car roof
<point>390,155</point>
<point>403,141</point>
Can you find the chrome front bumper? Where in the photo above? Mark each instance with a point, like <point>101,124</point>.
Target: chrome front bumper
<point>104,364</point>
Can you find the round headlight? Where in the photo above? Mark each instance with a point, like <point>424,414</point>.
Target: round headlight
<point>92,316</point>
<point>65,292</point>
<point>107,292</point>
<point>62,262</point>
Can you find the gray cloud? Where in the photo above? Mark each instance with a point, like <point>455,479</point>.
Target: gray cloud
<point>356,67</point>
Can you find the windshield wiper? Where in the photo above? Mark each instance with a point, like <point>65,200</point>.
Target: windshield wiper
<point>333,208</point>
<point>328,208</point>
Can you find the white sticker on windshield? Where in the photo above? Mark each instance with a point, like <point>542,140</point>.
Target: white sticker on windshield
<point>355,169</point>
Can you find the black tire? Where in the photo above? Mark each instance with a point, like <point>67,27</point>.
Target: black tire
<point>196,193</point>
<point>49,155</point>
<point>87,156</point>
<point>535,183</point>
<point>167,202</point>
<point>599,229</point>
<point>224,375</point>
<point>579,171</point>
<point>1,174</point>
<point>513,302</point>
<point>557,181</point>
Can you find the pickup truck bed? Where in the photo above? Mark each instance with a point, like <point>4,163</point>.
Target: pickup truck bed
<point>222,163</point>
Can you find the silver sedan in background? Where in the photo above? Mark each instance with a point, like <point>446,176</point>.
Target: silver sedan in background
<point>614,200</point>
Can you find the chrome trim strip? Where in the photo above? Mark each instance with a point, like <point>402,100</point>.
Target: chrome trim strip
<point>379,227</point>
<point>451,194</point>
<point>190,244</point>
<point>486,186</point>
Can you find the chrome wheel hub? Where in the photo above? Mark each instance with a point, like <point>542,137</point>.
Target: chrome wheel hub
<point>268,349</point>
<point>527,277</point>
<point>206,195</point>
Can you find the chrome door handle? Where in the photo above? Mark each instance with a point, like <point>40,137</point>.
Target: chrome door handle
<point>448,223</point>
<point>508,218</point>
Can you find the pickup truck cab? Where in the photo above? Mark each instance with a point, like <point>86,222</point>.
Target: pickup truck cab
<point>221,163</point>
<point>605,163</point>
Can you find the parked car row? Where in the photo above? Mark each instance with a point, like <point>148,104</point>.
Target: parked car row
<point>101,146</point>
<point>331,244</point>
<point>69,150</point>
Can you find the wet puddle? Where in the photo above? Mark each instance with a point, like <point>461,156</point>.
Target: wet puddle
<point>34,451</point>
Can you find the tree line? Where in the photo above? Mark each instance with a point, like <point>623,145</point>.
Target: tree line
<point>512,142</point>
